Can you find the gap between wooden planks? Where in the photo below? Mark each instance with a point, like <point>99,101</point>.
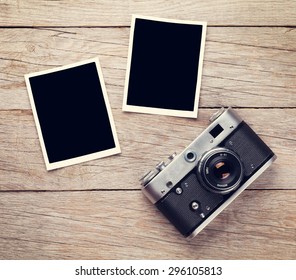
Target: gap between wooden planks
<point>243,67</point>
<point>124,225</point>
<point>22,166</point>
<point>118,12</point>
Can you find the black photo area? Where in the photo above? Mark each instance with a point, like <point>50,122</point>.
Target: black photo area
<point>164,65</point>
<point>72,112</point>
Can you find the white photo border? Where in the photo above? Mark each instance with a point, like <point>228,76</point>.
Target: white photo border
<point>87,157</point>
<point>160,111</point>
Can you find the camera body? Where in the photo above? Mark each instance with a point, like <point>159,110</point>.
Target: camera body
<point>191,189</point>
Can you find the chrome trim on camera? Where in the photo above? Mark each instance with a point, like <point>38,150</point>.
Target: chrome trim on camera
<point>217,114</point>
<point>156,186</point>
<point>232,198</point>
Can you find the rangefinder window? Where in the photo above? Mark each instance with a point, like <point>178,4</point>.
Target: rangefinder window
<point>216,130</point>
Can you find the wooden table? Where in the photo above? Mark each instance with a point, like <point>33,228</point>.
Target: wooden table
<point>96,210</point>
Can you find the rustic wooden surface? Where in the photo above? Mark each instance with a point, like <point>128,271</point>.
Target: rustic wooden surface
<point>95,210</point>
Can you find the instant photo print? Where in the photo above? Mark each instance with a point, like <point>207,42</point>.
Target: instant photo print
<point>164,66</point>
<point>72,114</point>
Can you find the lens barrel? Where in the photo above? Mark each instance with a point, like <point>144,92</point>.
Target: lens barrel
<point>220,170</point>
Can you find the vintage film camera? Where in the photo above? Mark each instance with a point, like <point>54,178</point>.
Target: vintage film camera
<point>191,189</point>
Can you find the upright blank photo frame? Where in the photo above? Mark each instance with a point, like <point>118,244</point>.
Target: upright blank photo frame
<point>164,67</point>
<point>72,114</point>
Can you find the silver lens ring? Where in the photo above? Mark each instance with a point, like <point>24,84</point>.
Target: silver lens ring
<point>220,170</point>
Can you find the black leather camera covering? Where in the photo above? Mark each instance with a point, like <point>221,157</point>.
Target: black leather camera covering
<point>253,153</point>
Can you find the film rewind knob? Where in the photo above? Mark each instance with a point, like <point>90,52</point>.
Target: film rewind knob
<point>159,167</point>
<point>162,165</point>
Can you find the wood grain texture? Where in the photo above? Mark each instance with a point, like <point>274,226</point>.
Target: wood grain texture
<point>243,67</point>
<point>22,166</point>
<point>95,210</point>
<point>118,12</point>
<point>121,224</point>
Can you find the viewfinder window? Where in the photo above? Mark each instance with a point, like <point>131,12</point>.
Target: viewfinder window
<point>216,130</point>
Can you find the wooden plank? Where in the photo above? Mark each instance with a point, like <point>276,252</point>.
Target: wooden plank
<point>124,225</point>
<point>118,13</point>
<point>243,67</point>
<point>22,166</point>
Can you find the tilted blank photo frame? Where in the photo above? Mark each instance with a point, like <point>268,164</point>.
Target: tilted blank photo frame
<point>164,66</point>
<point>72,114</point>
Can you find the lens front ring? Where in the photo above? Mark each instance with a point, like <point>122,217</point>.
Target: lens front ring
<point>220,170</point>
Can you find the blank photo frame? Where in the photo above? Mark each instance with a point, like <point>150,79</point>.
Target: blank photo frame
<point>72,114</point>
<point>164,66</point>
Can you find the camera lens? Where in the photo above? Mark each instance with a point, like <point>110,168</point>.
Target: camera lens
<point>221,170</point>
